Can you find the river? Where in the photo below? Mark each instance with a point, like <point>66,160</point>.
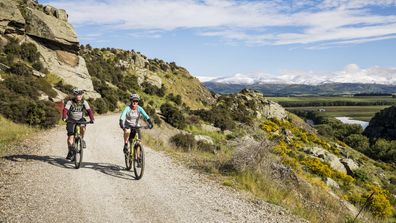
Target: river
<point>348,120</point>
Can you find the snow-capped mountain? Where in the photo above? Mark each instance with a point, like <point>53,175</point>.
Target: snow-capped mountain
<point>350,74</point>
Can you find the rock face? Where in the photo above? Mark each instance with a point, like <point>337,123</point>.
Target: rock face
<point>254,104</point>
<point>382,125</point>
<point>51,29</point>
<point>55,38</point>
<point>327,157</point>
<point>74,74</point>
<point>11,19</point>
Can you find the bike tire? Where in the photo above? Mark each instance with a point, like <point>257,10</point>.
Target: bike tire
<point>78,154</point>
<point>136,169</point>
<point>128,160</point>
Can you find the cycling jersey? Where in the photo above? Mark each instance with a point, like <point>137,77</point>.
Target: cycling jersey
<point>74,110</point>
<point>131,117</point>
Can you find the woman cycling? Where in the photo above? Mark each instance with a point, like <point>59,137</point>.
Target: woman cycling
<point>130,118</point>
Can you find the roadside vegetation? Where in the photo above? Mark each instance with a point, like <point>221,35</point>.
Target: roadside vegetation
<point>10,132</point>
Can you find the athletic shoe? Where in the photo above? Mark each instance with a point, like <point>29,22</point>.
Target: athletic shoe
<point>69,155</point>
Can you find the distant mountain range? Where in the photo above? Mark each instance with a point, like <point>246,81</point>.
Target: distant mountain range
<point>303,89</point>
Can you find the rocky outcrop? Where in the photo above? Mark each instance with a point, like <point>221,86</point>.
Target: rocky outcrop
<point>55,32</point>
<point>203,138</point>
<point>253,104</point>
<point>327,157</point>
<point>264,107</point>
<point>74,73</point>
<point>11,19</point>
<point>55,38</point>
<point>350,165</point>
<point>382,125</point>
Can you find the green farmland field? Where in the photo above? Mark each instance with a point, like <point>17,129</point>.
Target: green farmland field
<point>370,99</point>
<point>363,113</point>
<point>358,112</point>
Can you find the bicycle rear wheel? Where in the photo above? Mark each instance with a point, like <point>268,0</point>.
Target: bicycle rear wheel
<point>128,159</point>
<point>138,162</point>
<point>78,153</point>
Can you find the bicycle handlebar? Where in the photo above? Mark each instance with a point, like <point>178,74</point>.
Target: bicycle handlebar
<point>138,127</point>
<point>79,122</point>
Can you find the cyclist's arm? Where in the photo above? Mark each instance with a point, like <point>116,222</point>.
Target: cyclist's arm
<point>89,110</point>
<point>66,109</point>
<point>143,112</point>
<point>146,117</point>
<point>123,116</point>
<point>124,113</point>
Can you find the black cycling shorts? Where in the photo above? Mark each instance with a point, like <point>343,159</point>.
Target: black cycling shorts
<point>70,126</point>
<point>133,133</point>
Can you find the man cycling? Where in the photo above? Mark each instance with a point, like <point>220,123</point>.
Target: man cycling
<point>74,111</point>
<point>130,118</point>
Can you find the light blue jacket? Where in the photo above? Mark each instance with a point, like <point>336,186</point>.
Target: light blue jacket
<point>131,118</point>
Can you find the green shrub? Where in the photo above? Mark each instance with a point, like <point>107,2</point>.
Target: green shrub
<point>29,52</point>
<point>35,113</point>
<point>23,85</point>
<point>206,147</point>
<point>358,142</point>
<point>153,115</point>
<point>173,116</point>
<point>21,69</point>
<point>153,90</point>
<point>100,106</point>
<point>360,175</point>
<point>184,141</point>
<point>175,98</point>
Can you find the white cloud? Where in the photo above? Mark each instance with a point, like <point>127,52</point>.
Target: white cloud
<point>253,22</point>
<point>352,73</point>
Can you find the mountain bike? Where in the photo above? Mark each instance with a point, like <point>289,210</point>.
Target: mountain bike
<point>78,149</point>
<point>135,156</point>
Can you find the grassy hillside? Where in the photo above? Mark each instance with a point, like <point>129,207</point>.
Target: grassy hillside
<point>116,73</point>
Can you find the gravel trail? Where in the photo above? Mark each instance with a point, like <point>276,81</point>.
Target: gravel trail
<point>38,185</point>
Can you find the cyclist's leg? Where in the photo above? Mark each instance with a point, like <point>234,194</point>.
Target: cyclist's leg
<point>127,132</point>
<point>82,128</point>
<point>70,138</point>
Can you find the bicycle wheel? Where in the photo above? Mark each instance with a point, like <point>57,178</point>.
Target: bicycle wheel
<point>138,162</point>
<point>78,153</point>
<point>128,159</point>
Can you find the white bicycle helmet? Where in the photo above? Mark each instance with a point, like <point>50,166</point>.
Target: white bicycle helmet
<point>77,91</point>
<point>134,97</point>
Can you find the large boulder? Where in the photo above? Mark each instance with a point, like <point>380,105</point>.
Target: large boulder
<point>203,138</point>
<point>327,157</point>
<point>350,165</point>
<point>11,19</point>
<point>252,104</point>
<point>55,32</point>
<point>382,125</point>
<point>72,70</point>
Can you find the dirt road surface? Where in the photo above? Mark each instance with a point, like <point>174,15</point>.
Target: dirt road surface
<point>38,185</point>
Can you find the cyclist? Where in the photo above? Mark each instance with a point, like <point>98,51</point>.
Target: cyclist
<point>74,111</point>
<point>130,118</point>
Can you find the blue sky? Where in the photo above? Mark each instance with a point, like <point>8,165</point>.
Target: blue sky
<point>216,38</point>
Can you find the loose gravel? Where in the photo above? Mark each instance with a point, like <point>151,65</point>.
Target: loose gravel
<point>38,185</point>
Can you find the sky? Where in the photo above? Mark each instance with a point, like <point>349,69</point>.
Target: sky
<point>241,38</point>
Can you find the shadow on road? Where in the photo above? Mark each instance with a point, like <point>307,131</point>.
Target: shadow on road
<point>106,168</point>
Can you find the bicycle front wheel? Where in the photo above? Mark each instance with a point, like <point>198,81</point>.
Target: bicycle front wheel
<point>78,153</point>
<point>138,161</point>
